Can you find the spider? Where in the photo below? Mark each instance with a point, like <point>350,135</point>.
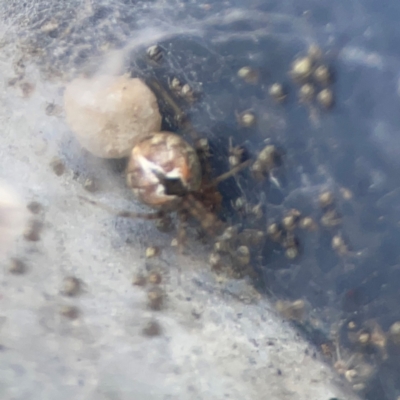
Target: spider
<point>167,174</point>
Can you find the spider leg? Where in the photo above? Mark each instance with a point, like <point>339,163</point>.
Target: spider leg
<point>230,173</point>
<point>177,111</point>
<point>124,214</point>
<point>181,231</point>
<point>208,221</point>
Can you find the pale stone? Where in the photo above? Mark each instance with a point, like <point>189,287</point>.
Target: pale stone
<point>108,114</point>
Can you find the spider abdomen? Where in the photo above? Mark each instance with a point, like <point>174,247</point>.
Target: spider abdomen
<point>162,168</point>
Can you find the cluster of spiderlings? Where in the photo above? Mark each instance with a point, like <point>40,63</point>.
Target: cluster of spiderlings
<point>283,232</point>
<point>314,78</point>
<point>311,73</point>
<point>232,255</point>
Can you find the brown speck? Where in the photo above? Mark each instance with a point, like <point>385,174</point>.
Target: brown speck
<point>358,387</point>
<point>155,53</point>
<point>350,374</point>
<point>394,332</point>
<point>331,219</point>
<point>70,312</point>
<point>34,207</point>
<point>246,119</point>
<point>17,266</point>
<point>197,313</point>
<point>352,325</point>
<point>164,224</point>
<point>215,261</point>
<point>291,310</point>
<point>155,298</point>
<point>326,199</point>
<point>49,26</point>
<point>274,232</point>
<point>53,109</point>
<point>322,75</point>
<point>291,253</point>
<point>152,252</point>
<point>243,255</point>
<point>301,69</point>
<point>57,166</point>
<point>248,74</point>
<point>277,92</point>
<point>13,81</point>
<point>325,98</point>
<point>152,328</point>
<point>70,286</point>
<point>306,93</point>
<point>346,194</point>
<point>308,224</point>
<point>339,245</point>
<point>90,185</point>
<point>139,280</point>
<point>364,338</point>
<point>314,52</point>
<point>27,88</point>
<point>32,231</point>
<point>154,278</point>
<point>20,67</point>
